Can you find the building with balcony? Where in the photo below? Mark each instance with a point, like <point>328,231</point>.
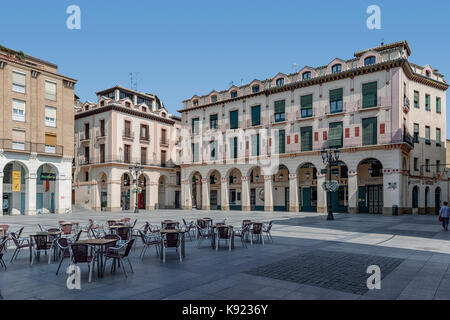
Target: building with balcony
<point>36,135</point>
<point>123,128</point>
<point>258,146</point>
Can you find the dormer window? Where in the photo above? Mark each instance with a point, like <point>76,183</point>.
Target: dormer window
<point>102,103</point>
<point>195,103</point>
<point>86,108</point>
<point>144,109</point>
<point>306,75</point>
<point>336,68</point>
<point>214,99</point>
<point>255,89</point>
<point>234,94</point>
<point>428,73</point>
<point>163,115</point>
<point>369,60</point>
<point>280,82</point>
<point>127,104</point>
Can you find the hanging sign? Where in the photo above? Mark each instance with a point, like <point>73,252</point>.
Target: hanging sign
<point>16,181</point>
<point>48,176</point>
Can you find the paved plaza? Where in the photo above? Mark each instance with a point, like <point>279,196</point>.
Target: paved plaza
<point>311,258</point>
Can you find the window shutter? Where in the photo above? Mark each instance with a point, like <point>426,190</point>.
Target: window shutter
<point>19,105</point>
<point>256,115</point>
<point>50,139</point>
<point>335,135</point>
<point>279,106</point>
<point>18,135</point>
<point>281,141</point>
<point>369,95</point>
<point>50,90</point>
<point>50,112</point>
<point>369,131</point>
<point>254,145</point>
<point>306,102</point>
<point>234,119</point>
<point>336,95</point>
<point>306,134</point>
<point>18,78</point>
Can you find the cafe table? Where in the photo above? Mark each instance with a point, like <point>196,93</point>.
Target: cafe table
<point>172,231</point>
<point>99,244</point>
<point>54,235</point>
<point>215,233</point>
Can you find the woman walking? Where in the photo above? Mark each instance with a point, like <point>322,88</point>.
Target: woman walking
<point>444,215</point>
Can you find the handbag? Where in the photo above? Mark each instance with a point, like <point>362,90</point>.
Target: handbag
<point>440,218</point>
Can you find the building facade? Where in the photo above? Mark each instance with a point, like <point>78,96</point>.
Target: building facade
<point>123,128</point>
<point>36,135</point>
<point>258,146</point>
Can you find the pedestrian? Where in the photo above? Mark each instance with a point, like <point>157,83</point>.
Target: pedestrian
<point>444,215</point>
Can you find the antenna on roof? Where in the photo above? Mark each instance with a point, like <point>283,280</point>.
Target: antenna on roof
<point>134,85</point>
<point>231,83</point>
<point>242,82</point>
<point>295,67</point>
<point>382,41</point>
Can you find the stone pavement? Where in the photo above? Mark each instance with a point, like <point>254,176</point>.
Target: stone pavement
<point>311,258</point>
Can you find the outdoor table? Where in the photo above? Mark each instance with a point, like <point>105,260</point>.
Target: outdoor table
<point>113,229</point>
<point>55,236</point>
<point>214,234</point>
<point>165,222</point>
<point>167,231</point>
<point>101,244</point>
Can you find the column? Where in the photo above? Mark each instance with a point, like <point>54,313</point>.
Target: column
<point>224,194</point>
<point>152,195</point>
<point>113,196</point>
<point>392,190</point>
<point>63,195</point>
<point>1,193</point>
<point>205,195</point>
<point>293,193</point>
<point>30,206</point>
<point>353,193</point>
<point>133,196</point>
<point>186,198</point>
<point>245,193</point>
<point>268,194</point>
<point>321,194</point>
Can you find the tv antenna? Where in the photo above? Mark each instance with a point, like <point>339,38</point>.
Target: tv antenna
<point>295,67</point>
<point>231,83</point>
<point>134,81</point>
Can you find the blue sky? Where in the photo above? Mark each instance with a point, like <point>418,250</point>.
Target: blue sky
<point>182,48</point>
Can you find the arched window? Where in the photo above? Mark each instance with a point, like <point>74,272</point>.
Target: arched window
<point>336,68</point>
<point>214,99</point>
<point>255,89</point>
<point>428,73</point>
<point>369,60</point>
<point>127,104</point>
<point>195,103</point>
<point>234,94</point>
<point>144,109</point>
<point>280,82</point>
<point>415,197</point>
<point>306,75</point>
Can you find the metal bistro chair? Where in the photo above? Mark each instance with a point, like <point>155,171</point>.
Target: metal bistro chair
<point>266,229</point>
<point>203,233</point>
<point>20,243</point>
<point>150,239</point>
<point>81,254</point>
<point>120,253</point>
<point>224,233</point>
<point>3,242</point>
<point>189,227</point>
<point>67,229</point>
<point>172,240</point>
<point>124,233</point>
<point>242,233</point>
<point>41,243</point>
<point>256,230</point>
<point>64,249</point>
<point>144,229</point>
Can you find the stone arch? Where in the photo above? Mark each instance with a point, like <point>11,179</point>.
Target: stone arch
<point>234,176</point>
<point>47,188</point>
<point>370,186</point>
<point>16,196</point>
<point>126,187</point>
<point>280,188</point>
<point>195,181</point>
<point>102,195</point>
<point>163,194</point>
<point>214,182</point>
<point>307,187</point>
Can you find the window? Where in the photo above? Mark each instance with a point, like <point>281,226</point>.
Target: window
<point>214,122</point>
<point>19,80</point>
<point>256,145</point>
<point>428,73</point>
<point>234,148</point>
<point>279,111</point>
<point>438,105</point>
<point>127,132</point>
<point>86,131</point>
<point>369,134</point>
<point>144,109</point>
<point>213,150</point>
<point>86,176</point>
<point>50,143</point>
<point>195,126</point>
<point>234,119</point>
<point>195,154</point>
<point>143,156</point>
<point>102,153</point>
<point>280,82</point>
<point>281,141</point>
<point>50,90</point>
<point>306,103</point>
<point>234,94</point>
<point>438,166</point>
<point>427,102</point>
<point>416,99</point>
<point>306,75</point>
<point>336,100</point>
<point>427,165</point>
<point>102,128</point>
<point>164,136</point>
<point>18,113</point>
<point>369,60</point>
<point>255,89</point>
<point>438,137</point>
<point>335,135</point>
<point>415,197</point>
<point>306,137</point>
<point>195,103</point>
<point>127,153</point>
<point>124,95</point>
<point>214,99</point>
<point>18,139</point>
<point>416,164</point>
<point>144,132</point>
<point>336,68</point>
<point>144,101</point>
<point>427,135</point>
<point>163,159</point>
<point>256,115</point>
<point>50,116</point>
<point>369,92</point>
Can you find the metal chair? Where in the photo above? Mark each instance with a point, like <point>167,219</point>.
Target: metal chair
<point>172,240</point>
<point>242,233</point>
<point>81,254</point>
<point>2,251</point>
<point>20,243</point>
<point>41,243</point>
<point>203,233</point>
<point>256,230</point>
<point>150,239</point>
<point>188,228</point>
<point>224,233</point>
<point>119,254</point>
<point>64,249</point>
<point>266,229</point>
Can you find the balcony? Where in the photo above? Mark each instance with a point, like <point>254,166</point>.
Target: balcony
<point>100,135</point>
<point>85,136</point>
<point>128,135</point>
<point>409,139</point>
<point>406,103</point>
<point>28,147</point>
<point>144,139</point>
<point>164,142</point>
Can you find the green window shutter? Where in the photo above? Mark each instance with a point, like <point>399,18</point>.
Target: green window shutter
<point>336,95</point>
<point>195,157</point>
<point>369,136</point>
<point>281,141</point>
<point>234,119</point>
<point>438,136</point>
<point>335,135</point>
<point>231,148</point>
<point>235,143</point>
<point>369,95</point>
<point>256,116</point>
<point>306,135</point>
<point>306,102</point>
<point>195,125</point>
<point>279,106</point>
<point>438,105</point>
<point>255,145</point>
<point>213,121</point>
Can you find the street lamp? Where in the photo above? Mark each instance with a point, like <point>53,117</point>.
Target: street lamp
<point>137,169</point>
<point>330,157</point>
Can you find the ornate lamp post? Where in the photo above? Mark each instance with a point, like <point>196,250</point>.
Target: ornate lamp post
<point>330,157</point>
<point>137,170</point>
